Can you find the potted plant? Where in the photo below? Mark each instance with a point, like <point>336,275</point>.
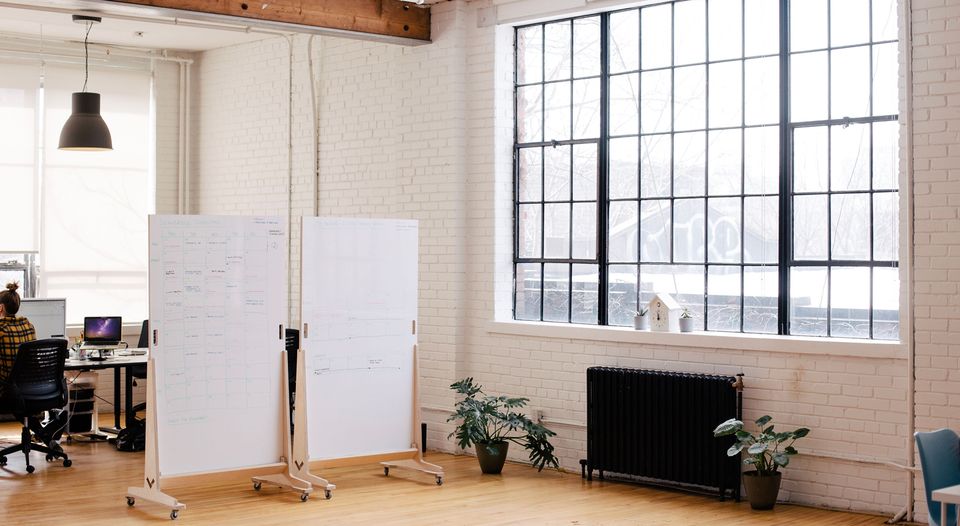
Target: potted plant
<point>686,321</point>
<point>490,423</point>
<point>764,453</point>
<point>641,321</point>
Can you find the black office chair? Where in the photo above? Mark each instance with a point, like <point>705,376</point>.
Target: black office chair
<point>36,384</point>
<point>139,372</point>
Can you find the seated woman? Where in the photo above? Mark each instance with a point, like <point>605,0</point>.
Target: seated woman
<point>15,330</point>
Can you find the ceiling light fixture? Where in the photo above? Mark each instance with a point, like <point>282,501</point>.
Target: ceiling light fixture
<point>85,130</point>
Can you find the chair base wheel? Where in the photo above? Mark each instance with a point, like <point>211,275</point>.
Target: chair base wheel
<point>67,463</point>
<point>31,469</point>
<point>131,501</point>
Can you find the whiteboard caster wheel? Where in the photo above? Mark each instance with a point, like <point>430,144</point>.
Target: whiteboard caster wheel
<point>386,471</point>
<point>439,481</point>
<point>174,514</point>
<point>304,497</point>
<point>327,494</point>
<point>131,501</point>
<point>257,486</point>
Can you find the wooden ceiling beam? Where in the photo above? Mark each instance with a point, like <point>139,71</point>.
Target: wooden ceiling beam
<point>390,18</point>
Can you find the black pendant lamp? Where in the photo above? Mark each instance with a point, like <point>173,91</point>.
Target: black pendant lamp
<point>85,129</point>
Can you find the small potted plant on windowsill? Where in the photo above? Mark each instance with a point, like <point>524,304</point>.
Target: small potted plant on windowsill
<point>686,321</point>
<point>641,321</point>
<point>764,454</point>
<point>489,424</point>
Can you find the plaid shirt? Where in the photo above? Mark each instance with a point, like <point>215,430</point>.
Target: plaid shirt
<point>13,331</point>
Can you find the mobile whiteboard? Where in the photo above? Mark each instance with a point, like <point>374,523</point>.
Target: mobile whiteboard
<point>218,305</point>
<point>359,306</point>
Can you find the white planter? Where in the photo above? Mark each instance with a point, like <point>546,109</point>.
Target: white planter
<point>641,323</point>
<point>686,324</point>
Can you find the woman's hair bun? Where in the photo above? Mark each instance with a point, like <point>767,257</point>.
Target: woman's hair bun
<point>13,286</point>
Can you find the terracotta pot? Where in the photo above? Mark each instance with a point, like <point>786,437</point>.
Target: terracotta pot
<point>762,491</point>
<point>492,456</point>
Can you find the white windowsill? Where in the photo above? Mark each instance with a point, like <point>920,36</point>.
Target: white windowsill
<point>703,339</point>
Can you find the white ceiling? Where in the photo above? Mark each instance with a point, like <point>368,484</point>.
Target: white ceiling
<point>119,32</point>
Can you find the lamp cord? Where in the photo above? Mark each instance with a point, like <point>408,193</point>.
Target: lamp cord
<point>86,56</point>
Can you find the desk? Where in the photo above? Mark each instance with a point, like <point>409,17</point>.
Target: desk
<point>116,363</point>
<point>946,496</point>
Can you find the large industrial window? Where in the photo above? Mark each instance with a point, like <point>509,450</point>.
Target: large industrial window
<point>740,159</point>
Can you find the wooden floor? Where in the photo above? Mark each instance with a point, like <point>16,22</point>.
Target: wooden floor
<point>92,492</point>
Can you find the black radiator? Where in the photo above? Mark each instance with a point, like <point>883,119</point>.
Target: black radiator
<point>657,427</point>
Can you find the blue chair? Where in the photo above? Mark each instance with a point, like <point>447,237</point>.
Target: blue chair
<point>940,463</point>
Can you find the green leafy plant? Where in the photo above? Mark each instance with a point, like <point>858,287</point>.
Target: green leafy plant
<point>485,420</point>
<point>763,448</point>
<point>686,313</point>
<point>642,311</point>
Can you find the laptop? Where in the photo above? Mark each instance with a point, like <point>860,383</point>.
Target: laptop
<point>101,332</point>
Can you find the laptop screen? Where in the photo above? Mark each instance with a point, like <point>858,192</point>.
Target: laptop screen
<point>102,329</point>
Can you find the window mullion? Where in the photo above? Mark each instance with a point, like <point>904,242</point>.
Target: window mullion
<point>602,174</point>
<point>786,187</point>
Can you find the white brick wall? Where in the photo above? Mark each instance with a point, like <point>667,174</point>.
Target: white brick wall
<point>423,133</point>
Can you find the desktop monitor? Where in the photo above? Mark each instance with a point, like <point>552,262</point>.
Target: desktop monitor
<point>48,316</point>
<point>102,329</point>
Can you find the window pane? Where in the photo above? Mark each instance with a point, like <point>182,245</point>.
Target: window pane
<point>762,29</point>
<point>529,224</point>
<point>762,91</point>
<point>622,240</point>
<point>584,172</point>
<point>557,112</point>
<point>725,162</point>
<point>655,34</point>
<point>584,298</point>
<point>808,86</point>
<point>556,173</point>
<point>586,109</point>
<point>557,231</point>
<point>689,40</point>
<point>623,167</point>
<point>683,282</point>
<point>624,50</point>
<point>689,164</point>
<point>690,98</point>
<point>808,301</point>
<point>529,114</point>
<point>655,230</point>
<point>527,306</point>
<point>688,242</point>
<point>586,47</point>
<point>808,25</point>
<point>584,231</point>
<point>886,303</point>
<point>624,104</point>
<point>726,29</point>
<point>655,165</point>
<point>556,64</point>
<point>761,230</point>
<point>529,55</point>
<point>760,293</point>
<point>530,182</point>
<point>850,157</point>
<point>850,302</point>
<point>556,292</point>
<point>850,82</point>
<point>810,227</point>
<point>726,96</point>
<point>886,238</point>
<point>849,22</point>
<point>724,230</point>
<point>655,95</point>
<point>884,20</point>
<point>622,294</point>
<point>762,167</point>
<point>850,226</point>
<point>723,297</point>
<point>885,94</point>
<point>810,159</point>
<point>886,155</point>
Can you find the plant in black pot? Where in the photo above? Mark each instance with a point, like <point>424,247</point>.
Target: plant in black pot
<point>764,453</point>
<point>490,423</point>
